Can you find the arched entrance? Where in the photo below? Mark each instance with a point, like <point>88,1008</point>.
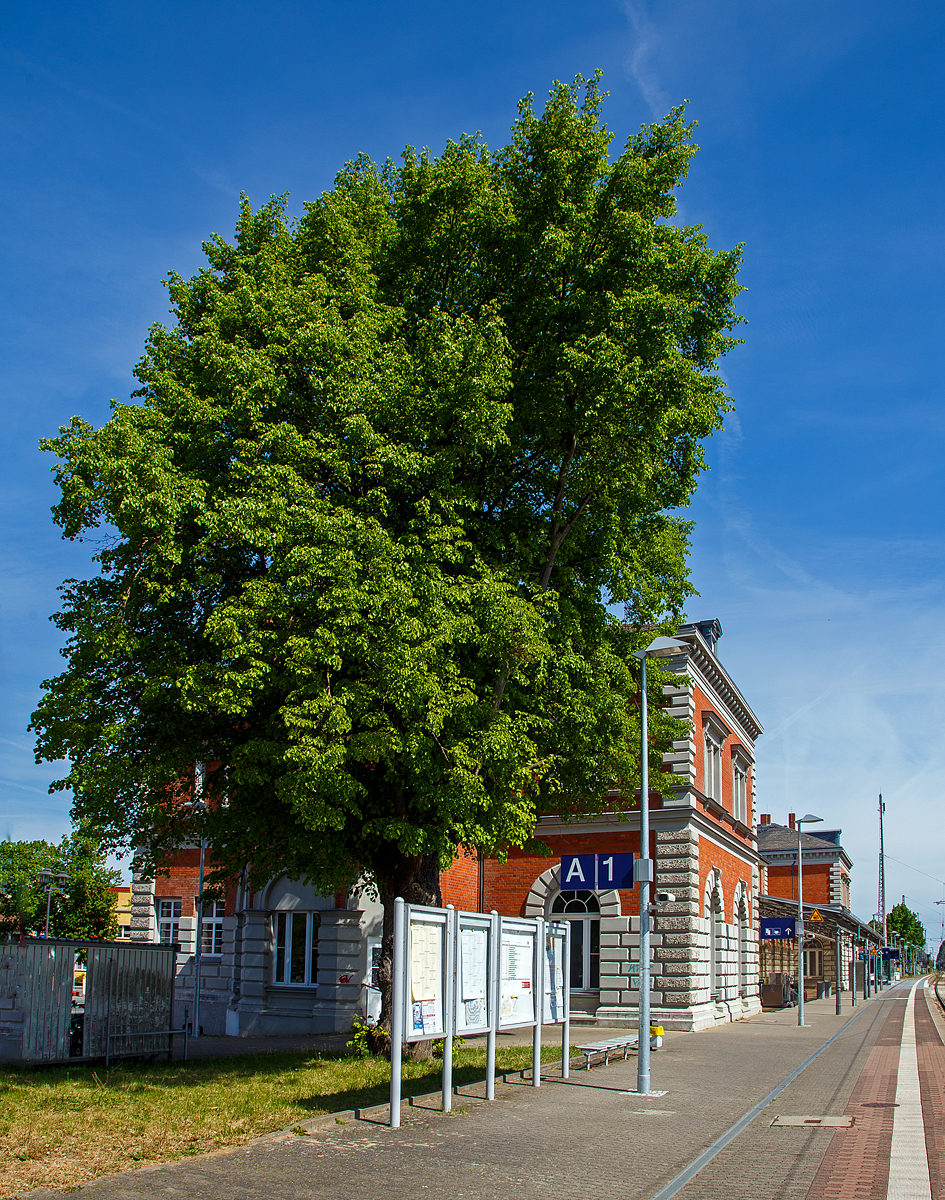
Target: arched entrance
<point>582,911</point>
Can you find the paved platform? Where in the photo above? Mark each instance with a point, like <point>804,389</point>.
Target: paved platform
<point>592,1137</point>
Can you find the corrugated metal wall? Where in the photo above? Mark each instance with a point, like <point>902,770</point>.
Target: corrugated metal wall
<point>46,992</point>
<point>128,991</point>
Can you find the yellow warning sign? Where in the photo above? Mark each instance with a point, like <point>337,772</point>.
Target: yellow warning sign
<point>815,916</point>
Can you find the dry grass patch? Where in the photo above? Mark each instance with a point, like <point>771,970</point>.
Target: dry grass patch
<point>66,1125</point>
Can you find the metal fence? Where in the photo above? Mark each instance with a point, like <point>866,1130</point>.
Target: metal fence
<point>129,993</point>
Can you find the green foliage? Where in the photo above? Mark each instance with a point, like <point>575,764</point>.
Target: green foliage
<point>458,1044</point>
<point>85,909</point>
<point>360,1042</point>
<point>389,473</point>
<point>906,923</point>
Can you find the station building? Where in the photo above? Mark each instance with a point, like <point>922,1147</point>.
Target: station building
<point>286,960</point>
<point>834,937</point>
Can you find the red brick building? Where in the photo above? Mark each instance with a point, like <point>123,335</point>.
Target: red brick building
<point>827,865</point>
<point>705,953</point>
<point>287,960</point>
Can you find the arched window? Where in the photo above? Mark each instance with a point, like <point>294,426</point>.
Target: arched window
<point>741,930</point>
<point>575,902</point>
<point>813,959</point>
<point>582,910</point>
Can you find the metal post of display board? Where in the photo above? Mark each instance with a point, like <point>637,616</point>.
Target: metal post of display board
<point>852,971</point>
<point>449,1003</point>
<point>566,1025</point>
<point>538,978</point>
<point>397,1012</point>
<point>836,955</point>
<point>493,1004</point>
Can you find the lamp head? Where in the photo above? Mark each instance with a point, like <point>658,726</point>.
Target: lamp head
<point>661,643</point>
<point>809,819</point>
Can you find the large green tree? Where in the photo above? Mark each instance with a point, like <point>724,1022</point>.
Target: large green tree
<point>390,472</point>
<point>84,908</point>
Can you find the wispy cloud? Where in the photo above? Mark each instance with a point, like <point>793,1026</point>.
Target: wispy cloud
<point>645,45</point>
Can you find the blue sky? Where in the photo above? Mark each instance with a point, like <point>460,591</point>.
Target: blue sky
<point>128,131</point>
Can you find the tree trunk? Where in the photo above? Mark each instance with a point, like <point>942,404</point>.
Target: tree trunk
<point>417,880</point>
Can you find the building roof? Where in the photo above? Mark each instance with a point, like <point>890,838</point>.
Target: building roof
<point>781,839</point>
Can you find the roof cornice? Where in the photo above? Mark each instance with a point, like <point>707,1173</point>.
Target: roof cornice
<point>716,675</point>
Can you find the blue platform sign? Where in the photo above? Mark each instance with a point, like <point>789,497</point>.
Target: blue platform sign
<point>890,952</point>
<point>594,872</point>
<point>778,927</point>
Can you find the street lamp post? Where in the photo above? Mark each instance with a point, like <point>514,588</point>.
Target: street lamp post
<point>808,820</point>
<point>645,869</point>
<point>199,804</point>
<point>45,878</point>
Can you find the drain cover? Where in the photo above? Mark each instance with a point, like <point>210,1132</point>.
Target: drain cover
<point>809,1122</point>
<point>878,1104</point>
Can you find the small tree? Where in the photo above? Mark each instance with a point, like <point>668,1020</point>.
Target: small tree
<point>86,907</point>
<point>904,922</point>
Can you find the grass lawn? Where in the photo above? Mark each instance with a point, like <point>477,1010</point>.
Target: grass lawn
<point>63,1126</point>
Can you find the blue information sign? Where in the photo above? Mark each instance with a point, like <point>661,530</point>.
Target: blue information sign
<point>593,872</point>
<point>778,927</point>
<point>890,952</point>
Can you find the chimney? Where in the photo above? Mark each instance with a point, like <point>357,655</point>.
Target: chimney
<point>790,820</point>
<point>765,819</point>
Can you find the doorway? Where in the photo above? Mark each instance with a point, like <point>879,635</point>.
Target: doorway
<point>582,910</point>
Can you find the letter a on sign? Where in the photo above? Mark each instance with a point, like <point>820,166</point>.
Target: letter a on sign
<point>578,872</point>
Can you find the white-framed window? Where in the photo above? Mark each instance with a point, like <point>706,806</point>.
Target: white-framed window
<point>211,927</point>
<point>168,921</point>
<point>713,765</point>
<point>813,962</point>
<point>739,792</point>
<point>375,947</point>
<point>296,947</point>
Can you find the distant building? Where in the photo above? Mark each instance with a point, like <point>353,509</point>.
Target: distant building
<point>827,914</point>
<point>827,865</point>
<point>124,911</point>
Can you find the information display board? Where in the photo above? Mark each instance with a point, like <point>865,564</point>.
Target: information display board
<point>473,1012</point>
<point>783,928</point>
<point>554,998</point>
<point>426,1012</point>
<point>517,985</point>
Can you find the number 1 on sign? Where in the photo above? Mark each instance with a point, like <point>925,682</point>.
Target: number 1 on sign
<point>607,863</point>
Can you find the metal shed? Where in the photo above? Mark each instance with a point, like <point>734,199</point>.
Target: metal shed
<point>129,992</point>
